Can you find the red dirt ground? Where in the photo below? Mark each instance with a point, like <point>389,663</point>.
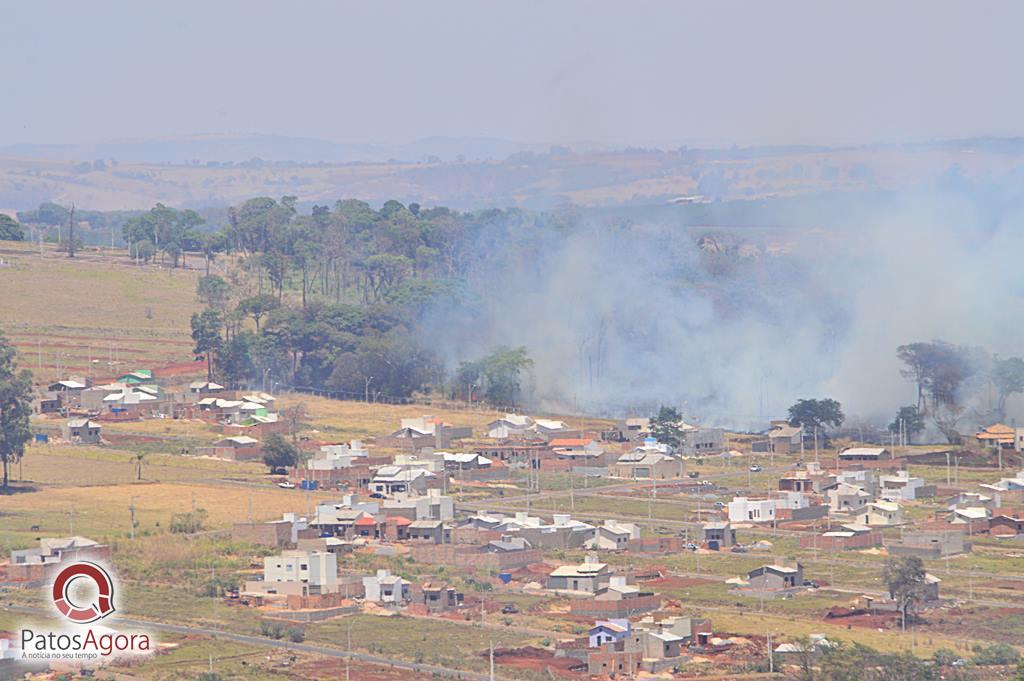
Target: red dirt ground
<point>538,659</point>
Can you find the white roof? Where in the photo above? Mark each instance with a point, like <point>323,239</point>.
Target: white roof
<point>71,385</point>
<point>862,451</point>
<point>549,424</point>
<point>240,440</point>
<point>581,570</point>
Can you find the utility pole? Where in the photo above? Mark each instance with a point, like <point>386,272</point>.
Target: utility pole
<point>131,511</point>
<point>771,658</point>
<point>348,656</point>
<point>492,661</point>
<point>71,232</point>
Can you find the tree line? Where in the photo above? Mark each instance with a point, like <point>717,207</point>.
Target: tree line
<point>333,299</point>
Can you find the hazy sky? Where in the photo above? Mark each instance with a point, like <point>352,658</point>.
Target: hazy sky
<point>611,72</point>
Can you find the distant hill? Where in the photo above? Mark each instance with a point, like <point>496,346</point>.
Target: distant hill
<point>272,148</point>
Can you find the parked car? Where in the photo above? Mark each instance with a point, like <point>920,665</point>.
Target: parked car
<point>377,495</point>
<point>719,505</point>
<point>705,483</point>
<point>756,468</point>
<point>509,609</point>
<point>286,485</point>
<point>693,474</point>
<point>739,549</point>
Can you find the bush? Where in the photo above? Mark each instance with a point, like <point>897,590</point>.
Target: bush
<point>944,657</point>
<point>188,523</point>
<point>997,654</point>
<point>271,629</point>
<point>296,634</point>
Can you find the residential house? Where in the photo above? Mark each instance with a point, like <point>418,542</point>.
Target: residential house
<point>48,402</point>
<point>881,513</point>
<point>137,377</point>
<point>38,564</point>
<point>847,498</point>
<point>384,587</point>
<point>275,533</point>
<point>205,387</point>
<point>781,438</point>
<point>633,428</point>
<point>744,510</point>
<point>1014,484</point>
<point>433,531</point>
<point>718,535</point>
<point>295,572</point>
<point>580,451</point>
<point>776,577</point>
<point>436,596</point>
<point>391,480</point>
<point>430,506</point>
<point>614,535</point>
<point>590,576</point>
<point>900,486</point>
<point>642,464</point>
<point>930,544</point>
<point>1003,526</point>
<point>700,440</point>
<point>510,426</point>
<point>548,428</point>
<point>82,432</point>
<point>608,631</point>
<point>997,435</point>
<point>973,500</point>
<point>68,391</point>
<point>860,454</point>
<point>235,448</point>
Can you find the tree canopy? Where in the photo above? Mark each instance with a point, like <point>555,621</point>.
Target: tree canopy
<point>665,426</point>
<point>10,230</point>
<point>15,409</point>
<point>816,414</point>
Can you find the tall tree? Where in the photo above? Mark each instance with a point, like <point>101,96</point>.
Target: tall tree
<point>206,327</point>
<point>278,453</point>
<point>15,408</point>
<point>905,579</point>
<point>816,414</point>
<point>666,426</point>
<point>910,420</point>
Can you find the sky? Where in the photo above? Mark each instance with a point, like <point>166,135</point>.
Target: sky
<point>655,73</point>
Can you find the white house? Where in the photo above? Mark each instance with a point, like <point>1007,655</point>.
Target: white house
<point>510,425</point>
<point>391,480</point>
<point>298,572</point>
<point>385,587</point>
<point>882,513</point>
<point>744,510</point>
<point>900,486</point>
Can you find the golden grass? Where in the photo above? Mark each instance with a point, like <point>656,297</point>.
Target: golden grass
<point>346,419</point>
<point>102,511</point>
<point>84,313</point>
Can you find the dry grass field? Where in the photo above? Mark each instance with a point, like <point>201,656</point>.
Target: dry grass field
<point>345,420</point>
<point>101,511</point>
<point>94,315</point>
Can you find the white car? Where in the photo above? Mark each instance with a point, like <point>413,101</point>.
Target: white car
<point>286,485</point>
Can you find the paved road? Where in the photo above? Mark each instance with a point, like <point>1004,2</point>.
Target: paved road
<point>260,641</point>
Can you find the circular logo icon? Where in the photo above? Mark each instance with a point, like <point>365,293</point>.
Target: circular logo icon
<point>76,612</point>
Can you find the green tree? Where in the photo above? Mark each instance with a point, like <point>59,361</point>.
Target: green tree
<point>666,426</point>
<point>206,327</point>
<point>911,420</point>
<point>278,453</point>
<point>10,230</point>
<point>213,291</point>
<point>497,375</point>
<point>816,414</point>
<point>15,408</point>
<point>258,307</point>
<point>905,579</point>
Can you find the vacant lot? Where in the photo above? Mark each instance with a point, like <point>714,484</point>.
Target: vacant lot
<point>102,512</point>
<point>94,314</point>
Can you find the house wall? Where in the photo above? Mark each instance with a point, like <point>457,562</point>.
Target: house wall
<point>277,535</point>
<point>588,607</point>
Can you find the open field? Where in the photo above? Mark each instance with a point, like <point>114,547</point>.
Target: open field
<point>101,512</point>
<point>338,419</point>
<point>132,316</point>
